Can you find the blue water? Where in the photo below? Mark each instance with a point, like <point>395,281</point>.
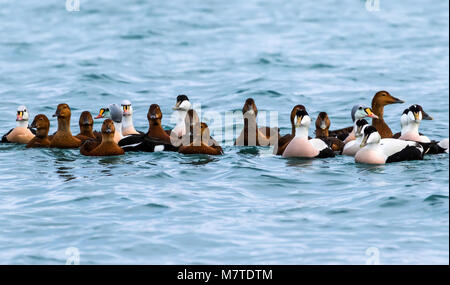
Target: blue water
<point>246,207</point>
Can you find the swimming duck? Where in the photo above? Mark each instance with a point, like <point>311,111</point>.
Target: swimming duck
<point>201,143</point>
<point>375,150</point>
<point>251,134</point>
<point>114,113</point>
<point>322,132</point>
<point>86,124</point>
<point>410,122</point>
<point>352,147</point>
<point>107,147</point>
<point>156,139</point>
<point>358,112</point>
<point>21,133</point>
<point>63,137</point>
<point>127,126</point>
<point>181,107</point>
<point>297,143</point>
<point>381,99</point>
<point>42,125</point>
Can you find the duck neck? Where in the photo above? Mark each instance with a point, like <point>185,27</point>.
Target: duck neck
<point>322,133</point>
<point>412,127</point>
<point>378,110</point>
<point>250,124</point>
<point>86,131</point>
<point>107,138</point>
<point>301,132</point>
<point>118,127</point>
<point>22,124</point>
<point>64,125</point>
<point>127,122</point>
<point>42,133</point>
<point>155,129</point>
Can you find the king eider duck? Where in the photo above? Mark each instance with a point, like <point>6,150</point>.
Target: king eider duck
<point>182,106</point>
<point>107,147</point>
<point>156,139</point>
<point>352,147</point>
<point>63,137</point>
<point>358,112</point>
<point>251,135</point>
<point>114,113</point>
<point>42,125</point>
<point>86,124</point>
<point>298,144</point>
<point>21,133</point>
<point>322,132</point>
<point>410,122</point>
<point>202,143</point>
<point>375,150</point>
<point>127,125</point>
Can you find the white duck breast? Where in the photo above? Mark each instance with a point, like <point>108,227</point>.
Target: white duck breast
<point>182,107</point>
<point>127,124</point>
<point>380,151</point>
<point>352,147</point>
<point>300,146</point>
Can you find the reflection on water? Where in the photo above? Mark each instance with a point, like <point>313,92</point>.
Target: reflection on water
<point>299,162</point>
<point>198,159</point>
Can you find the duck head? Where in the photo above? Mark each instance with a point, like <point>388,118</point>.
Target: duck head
<point>154,115</point>
<point>360,126</point>
<point>103,113</point>
<point>86,121</point>
<point>182,104</point>
<point>362,112</point>
<point>22,114</point>
<point>371,136</point>
<point>108,129</point>
<point>42,125</point>
<point>417,114</point>
<point>383,98</point>
<point>322,121</point>
<point>250,108</point>
<point>63,111</point>
<point>127,108</point>
<point>299,116</point>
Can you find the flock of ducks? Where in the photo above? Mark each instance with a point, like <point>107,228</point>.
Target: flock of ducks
<point>371,144</point>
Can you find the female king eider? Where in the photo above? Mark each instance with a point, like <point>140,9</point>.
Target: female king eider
<point>380,151</point>
<point>297,144</point>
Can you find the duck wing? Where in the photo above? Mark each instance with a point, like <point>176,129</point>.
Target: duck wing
<point>88,146</point>
<point>282,144</point>
<point>341,133</point>
<point>4,138</point>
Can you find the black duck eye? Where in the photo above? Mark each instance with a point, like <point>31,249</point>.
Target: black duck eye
<point>360,108</point>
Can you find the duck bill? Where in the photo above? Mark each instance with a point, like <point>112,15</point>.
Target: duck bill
<point>396,101</point>
<point>323,126</point>
<point>33,125</point>
<point>425,116</point>
<point>177,106</point>
<point>100,115</point>
<point>56,114</point>
<point>371,114</point>
<point>19,118</point>
<point>364,142</point>
<point>299,122</point>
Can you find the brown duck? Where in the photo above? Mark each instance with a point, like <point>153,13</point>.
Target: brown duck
<point>63,137</point>
<point>251,135</point>
<point>42,125</point>
<point>108,147</point>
